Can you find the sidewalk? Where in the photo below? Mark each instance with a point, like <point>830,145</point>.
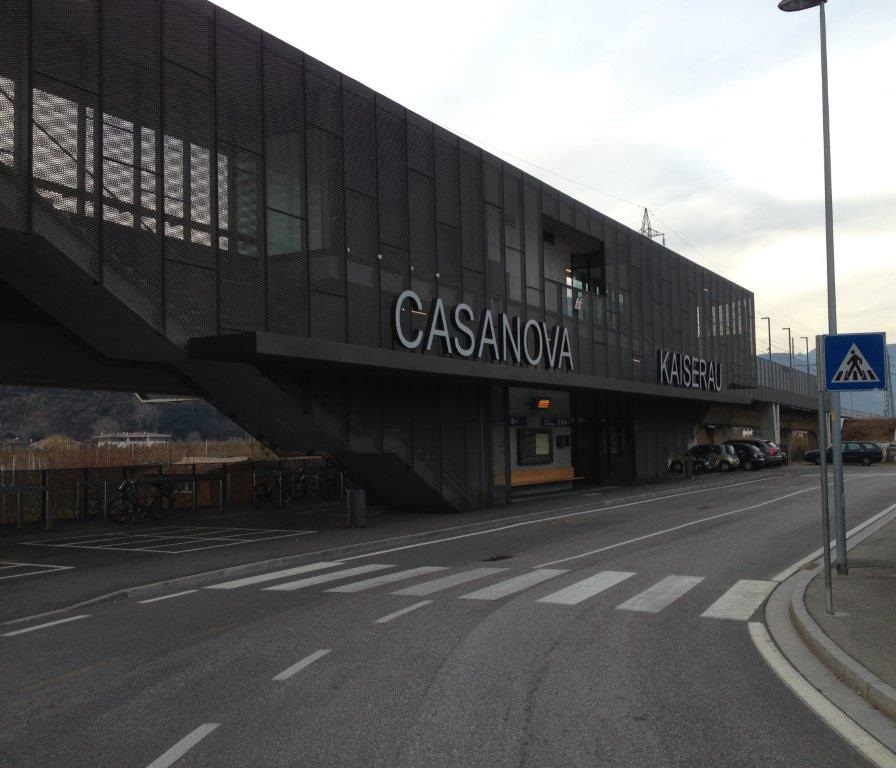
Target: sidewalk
<point>88,560</point>
<point>857,642</point>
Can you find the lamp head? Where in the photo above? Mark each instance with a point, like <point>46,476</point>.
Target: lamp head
<point>799,5</point>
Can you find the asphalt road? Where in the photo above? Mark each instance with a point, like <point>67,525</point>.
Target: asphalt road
<point>613,635</point>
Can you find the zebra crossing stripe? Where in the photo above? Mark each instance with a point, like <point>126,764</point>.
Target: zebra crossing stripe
<point>272,576</point>
<point>446,582</point>
<point>325,577</point>
<point>516,584</point>
<point>377,581</point>
<point>582,590</point>
<point>661,595</point>
<point>741,600</point>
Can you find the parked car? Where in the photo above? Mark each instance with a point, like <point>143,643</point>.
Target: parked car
<point>853,453</point>
<point>750,456</point>
<point>774,456</point>
<point>701,463</point>
<point>720,457</point>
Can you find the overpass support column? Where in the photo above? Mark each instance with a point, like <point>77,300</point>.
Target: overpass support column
<point>769,421</point>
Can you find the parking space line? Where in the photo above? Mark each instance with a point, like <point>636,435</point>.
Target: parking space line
<point>402,612</point>
<point>300,665</point>
<point>44,626</point>
<point>183,746</point>
<point>168,597</point>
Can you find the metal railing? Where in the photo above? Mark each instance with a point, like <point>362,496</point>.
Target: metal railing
<point>45,496</point>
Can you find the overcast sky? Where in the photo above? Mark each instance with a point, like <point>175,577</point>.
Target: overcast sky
<point>707,112</point>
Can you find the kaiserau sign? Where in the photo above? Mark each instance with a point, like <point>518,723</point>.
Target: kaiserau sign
<point>674,369</point>
<point>506,339</point>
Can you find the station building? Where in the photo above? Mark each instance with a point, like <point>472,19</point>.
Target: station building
<point>191,206</point>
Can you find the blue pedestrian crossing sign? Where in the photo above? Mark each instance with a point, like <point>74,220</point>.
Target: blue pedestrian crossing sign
<point>855,362</point>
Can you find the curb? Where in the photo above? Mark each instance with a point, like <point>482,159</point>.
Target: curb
<point>869,686</point>
<point>863,681</point>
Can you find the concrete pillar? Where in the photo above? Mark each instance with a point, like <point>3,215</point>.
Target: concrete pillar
<point>769,421</point>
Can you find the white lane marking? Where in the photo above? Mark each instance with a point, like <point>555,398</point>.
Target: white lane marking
<point>582,590</point>
<point>272,576</point>
<point>741,600</point>
<point>446,582</point>
<point>389,578</point>
<point>168,597</point>
<point>858,737</point>
<point>43,626</point>
<point>790,570</point>
<point>536,521</point>
<point>676,528</point>
<point>402,612</point>
<point>661,595</point>
<point>323,578</point>
<point>300,665</point>
<point>41,569</point>
<point>516,584</point>
<point>183,746</point>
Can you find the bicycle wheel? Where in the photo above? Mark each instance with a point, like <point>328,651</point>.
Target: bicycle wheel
<point>259,495</point>
<point>120,509</point>
<point>161,506</point>
<point>299,489</point>
<point>326,488</point>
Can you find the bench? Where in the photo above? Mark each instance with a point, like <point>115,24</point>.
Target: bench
<point>520,477</point>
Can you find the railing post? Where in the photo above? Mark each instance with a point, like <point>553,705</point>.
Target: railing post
<point>20,512</point>
<point>105,501</point>
<point>48,511</point>
<point>193,486</point>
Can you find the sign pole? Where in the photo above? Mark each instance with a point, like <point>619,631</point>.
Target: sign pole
<point>823,461</point>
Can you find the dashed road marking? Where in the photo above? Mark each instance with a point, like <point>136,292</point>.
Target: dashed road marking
<point>47,624</point>
<point>168,597</point>
<point>183,746</point>
<point>300,665</point>
<point>402,612</point>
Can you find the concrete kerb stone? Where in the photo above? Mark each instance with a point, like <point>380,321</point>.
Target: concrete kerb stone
<point>862,680</point>
<point>153,589</point>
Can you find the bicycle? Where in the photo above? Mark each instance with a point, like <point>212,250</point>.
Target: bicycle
<point>313,483</point>
<point>127,504</point>
<point>269,491</point>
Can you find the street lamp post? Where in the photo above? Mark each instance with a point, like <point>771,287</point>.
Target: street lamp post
<point>789,345</point>
<point>769,337</point>
<point>836,436</point>
<point>806,339</point>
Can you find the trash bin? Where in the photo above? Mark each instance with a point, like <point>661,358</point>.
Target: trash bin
<point>356,503</point>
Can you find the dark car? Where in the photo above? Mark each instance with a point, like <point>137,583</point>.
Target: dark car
<point>720,457</point>
<point>750,456</point>
<point>853,453</point>
<point>774,456</point>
